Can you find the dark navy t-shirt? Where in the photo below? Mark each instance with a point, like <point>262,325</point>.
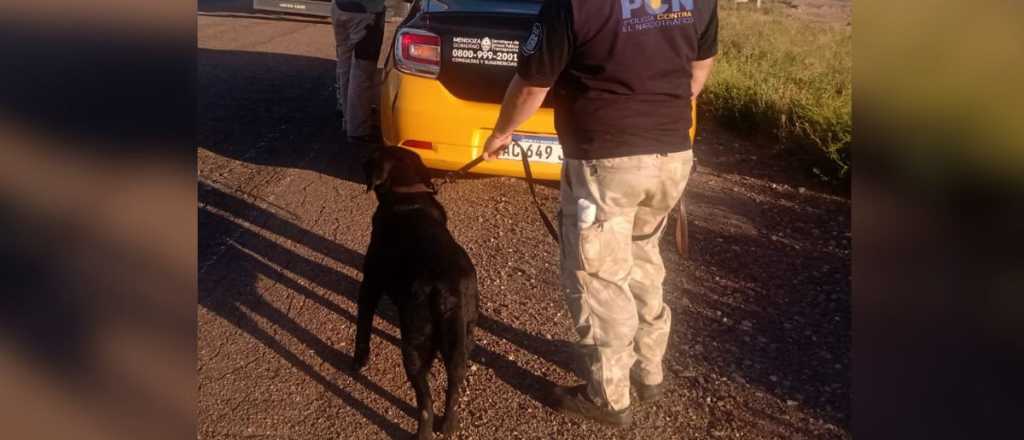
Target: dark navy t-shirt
<point>619,71</point>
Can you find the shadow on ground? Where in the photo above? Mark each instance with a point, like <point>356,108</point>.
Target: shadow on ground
<point>233,255</point>
<point>273,109</point>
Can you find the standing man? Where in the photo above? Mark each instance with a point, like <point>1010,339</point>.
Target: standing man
<point>358,34</point>
<point>622,75</point>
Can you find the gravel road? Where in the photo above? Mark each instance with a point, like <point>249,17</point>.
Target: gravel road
<point>761,338</point>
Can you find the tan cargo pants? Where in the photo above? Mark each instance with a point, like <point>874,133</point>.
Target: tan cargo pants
<point>613,214</point>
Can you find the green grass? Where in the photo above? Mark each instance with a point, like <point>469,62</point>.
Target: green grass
<point>788,76</point>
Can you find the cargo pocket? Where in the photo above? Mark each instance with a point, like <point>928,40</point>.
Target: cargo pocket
<point>598,247</point>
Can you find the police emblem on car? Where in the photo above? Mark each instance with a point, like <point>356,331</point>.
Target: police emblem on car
<point>530,46</point>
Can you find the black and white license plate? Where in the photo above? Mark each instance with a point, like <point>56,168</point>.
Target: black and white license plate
<point>537,149</point>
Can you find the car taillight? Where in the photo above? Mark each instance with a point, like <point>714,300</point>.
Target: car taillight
<point>423,145</point>
<point>418,52</point>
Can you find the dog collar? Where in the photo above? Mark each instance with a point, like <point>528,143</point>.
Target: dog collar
<point>411,189</point>
<point>406,207</point>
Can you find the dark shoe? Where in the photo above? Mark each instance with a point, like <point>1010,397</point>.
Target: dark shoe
<point>574,400</point>
<point>647,393</point>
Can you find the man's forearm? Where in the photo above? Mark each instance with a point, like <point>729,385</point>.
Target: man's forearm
<point>701,71</point>
<point>521,102</point>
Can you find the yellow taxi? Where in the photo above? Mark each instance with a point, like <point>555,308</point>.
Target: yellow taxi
<point>444,82</point>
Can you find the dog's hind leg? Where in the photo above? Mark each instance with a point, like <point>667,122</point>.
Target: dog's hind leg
<point>455,348</point>
<point>417,358</point>
<point>456,367</point>
<point>418,350</point>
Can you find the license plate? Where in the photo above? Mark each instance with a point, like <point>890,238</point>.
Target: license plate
<point>537,149</point>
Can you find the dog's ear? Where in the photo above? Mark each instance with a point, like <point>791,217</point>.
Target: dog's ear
<point>376,170</point>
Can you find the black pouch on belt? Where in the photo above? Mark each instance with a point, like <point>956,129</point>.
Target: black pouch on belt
<point>350,6</point>
<point>369,47</point>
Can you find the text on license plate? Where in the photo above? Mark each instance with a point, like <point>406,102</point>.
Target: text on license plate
<point>537,149</point>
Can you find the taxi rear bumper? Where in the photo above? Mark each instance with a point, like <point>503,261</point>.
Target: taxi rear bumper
<point>418,110</point>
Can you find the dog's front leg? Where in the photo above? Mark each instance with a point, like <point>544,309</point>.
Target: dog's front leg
<point>369,296</point>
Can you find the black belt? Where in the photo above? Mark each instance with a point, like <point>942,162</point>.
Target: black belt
<point>353,7</point>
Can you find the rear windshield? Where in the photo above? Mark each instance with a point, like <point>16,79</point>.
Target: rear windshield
<point>476,5</point>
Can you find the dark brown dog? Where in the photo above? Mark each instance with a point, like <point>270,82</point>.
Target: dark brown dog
<point>414,260</point>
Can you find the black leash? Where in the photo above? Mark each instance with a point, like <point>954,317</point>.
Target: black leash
<point>533,193</point>
<point>465,168</point>
<point>450,177</point>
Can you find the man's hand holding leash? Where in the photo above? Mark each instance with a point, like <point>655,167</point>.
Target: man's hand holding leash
<point>521,101</point>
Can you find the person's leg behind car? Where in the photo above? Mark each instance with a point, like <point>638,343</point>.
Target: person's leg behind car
<point>349,30</point>
<point>361,92</point>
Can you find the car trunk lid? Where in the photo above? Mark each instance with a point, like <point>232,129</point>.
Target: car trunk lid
<point>480,43</point>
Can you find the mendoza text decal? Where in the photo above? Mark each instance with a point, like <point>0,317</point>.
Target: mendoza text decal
<point>485,51</point>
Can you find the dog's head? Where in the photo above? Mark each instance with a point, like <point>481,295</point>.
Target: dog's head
<point>392,167</point>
